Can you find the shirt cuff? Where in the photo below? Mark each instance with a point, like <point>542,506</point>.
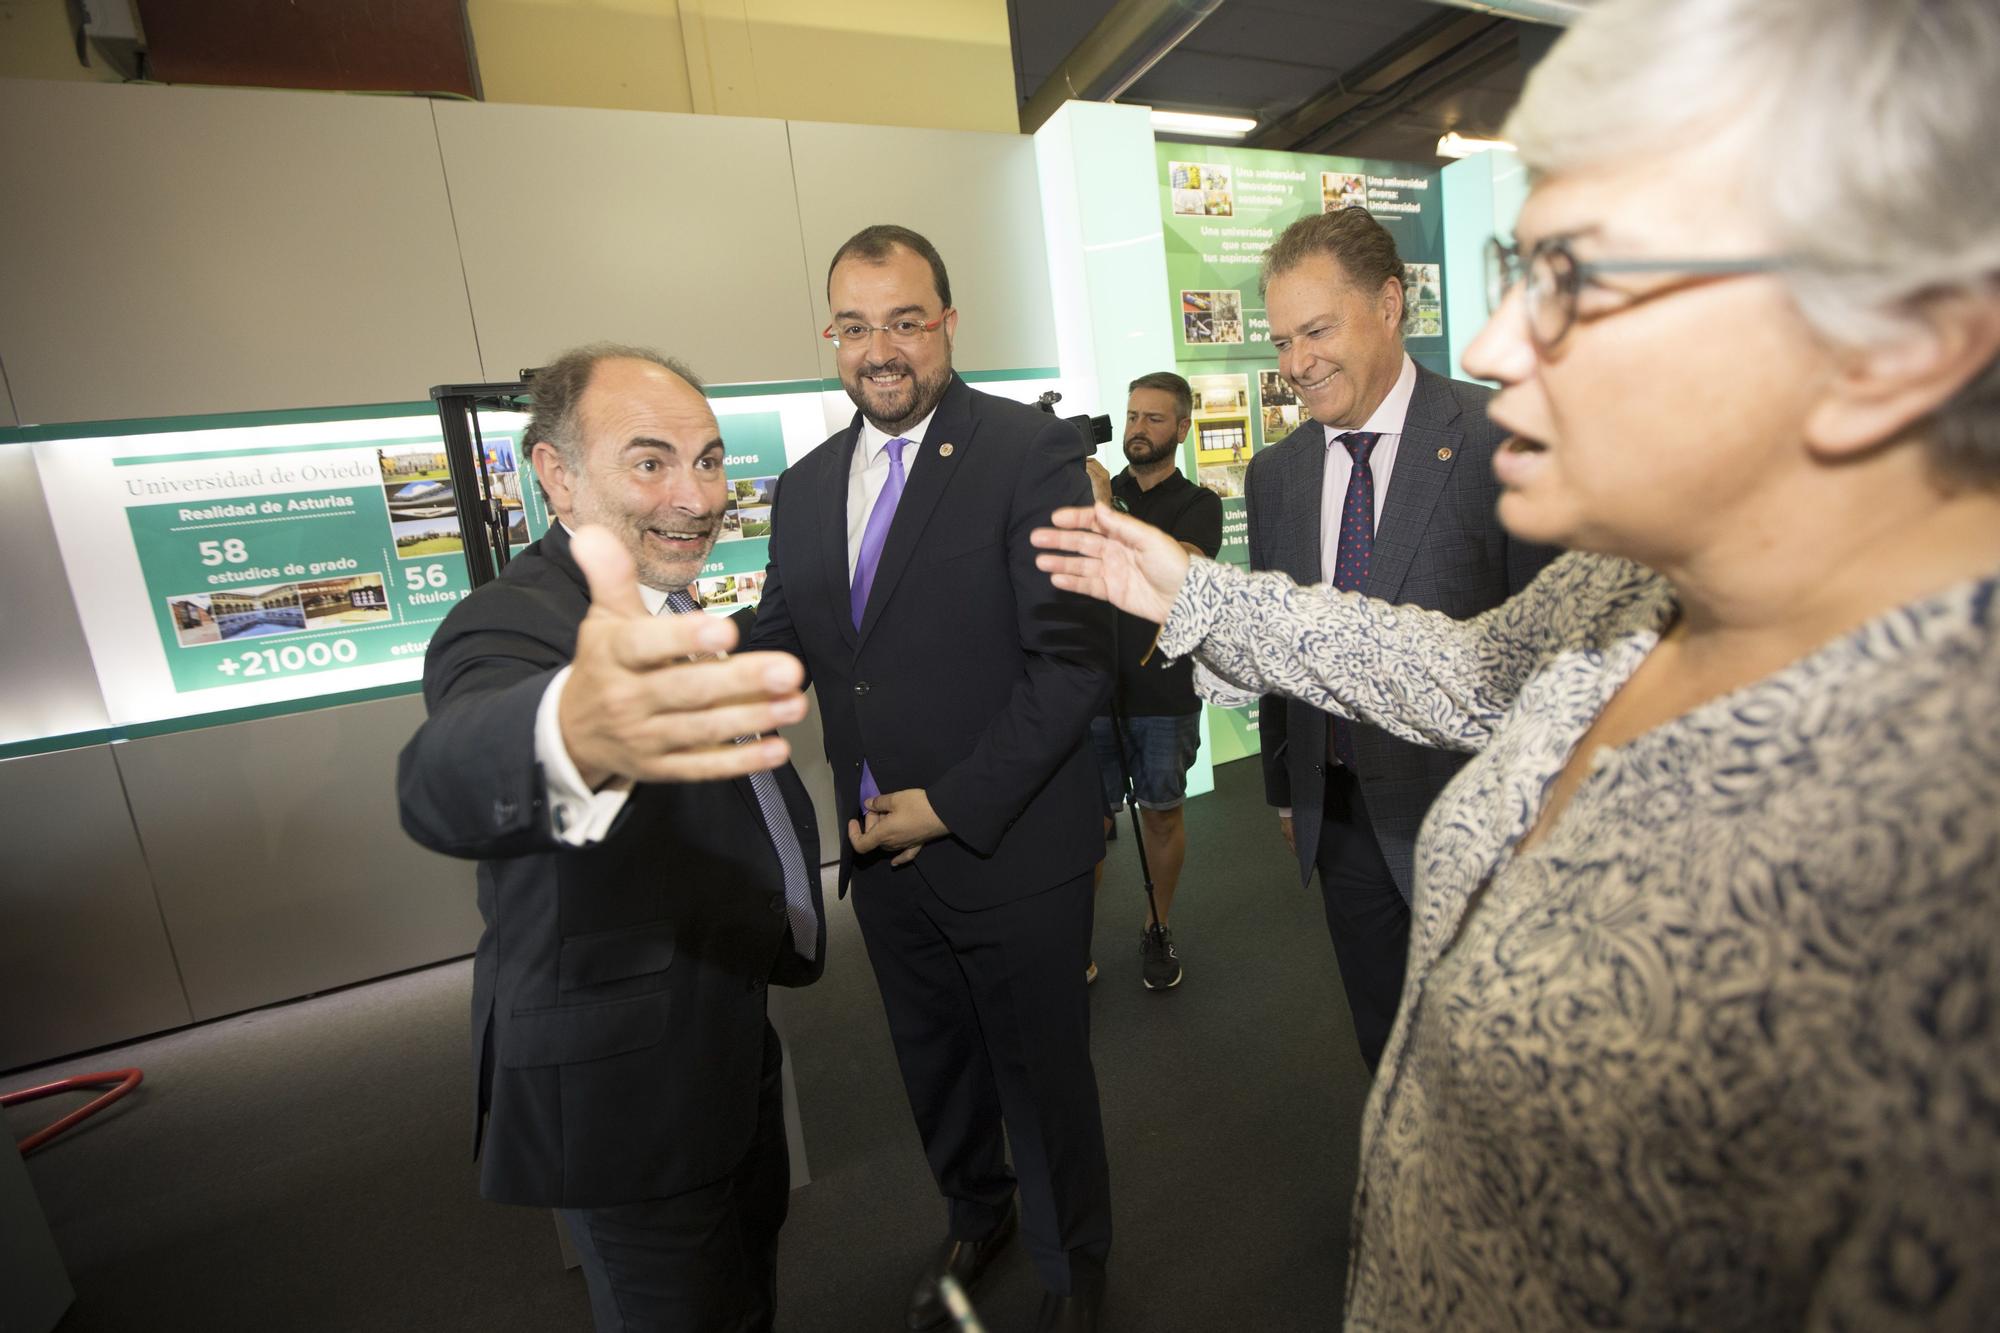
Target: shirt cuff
<point>1284,812</point>
<point>577,815</point>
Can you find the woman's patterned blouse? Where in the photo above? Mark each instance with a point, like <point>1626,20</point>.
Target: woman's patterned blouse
<point>1721,1049</point>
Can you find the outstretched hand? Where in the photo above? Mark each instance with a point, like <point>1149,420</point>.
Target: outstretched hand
<point>635,705</point>
<point>1113,557</point>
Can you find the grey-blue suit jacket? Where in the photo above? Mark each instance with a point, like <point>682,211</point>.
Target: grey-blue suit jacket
<point>1439,544</point>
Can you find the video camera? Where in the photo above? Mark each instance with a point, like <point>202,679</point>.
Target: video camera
<point>1095,429</point>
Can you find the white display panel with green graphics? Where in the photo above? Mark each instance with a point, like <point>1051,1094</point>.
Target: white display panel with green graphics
<point>245,564</point>
<point>227,567</point>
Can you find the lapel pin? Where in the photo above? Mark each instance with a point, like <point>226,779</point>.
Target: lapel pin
<point>1444,455</point>
<point>944,451</point>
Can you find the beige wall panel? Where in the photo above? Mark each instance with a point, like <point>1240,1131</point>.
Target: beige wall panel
<point>84,960</point>
<point>974,195</point>
<point>51,682</point>
<point>166,251</point>
<point>946,64</point>
<point>7,416</point>
<point>675,232</point>
<point>577,53</point>
<point>280,861</point>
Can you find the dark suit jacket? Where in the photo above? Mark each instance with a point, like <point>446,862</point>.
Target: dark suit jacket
<point>618,989</point>
<point>1439,545</point>
<point>971,676</point>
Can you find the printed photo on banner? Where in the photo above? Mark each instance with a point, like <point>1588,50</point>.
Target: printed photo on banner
<point>1221,419</point>
<point>1274,390</point>
<point>194,622</point>
<point>357,599</point>
<point>277,608</point>
<point>1201,189</point>
<point>1212,317</point>
<point>505,477</point>
<point>1279,405</point>
<point>1219,395</point>
<point>423,515</point>
<point>1226,440</point>
<point>1279,421</point>
<point>247,613</point>
<point>718,591</point>
<point>749,512</point>
<point>1226,479</point>
<point>1423,301</point>
<point>1342,189</point>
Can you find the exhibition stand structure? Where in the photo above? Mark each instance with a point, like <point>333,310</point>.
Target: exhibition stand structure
<point>224,613</point>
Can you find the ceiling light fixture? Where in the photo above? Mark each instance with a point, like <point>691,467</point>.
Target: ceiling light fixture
<point>1206,126</point>
<point>1455,144</point>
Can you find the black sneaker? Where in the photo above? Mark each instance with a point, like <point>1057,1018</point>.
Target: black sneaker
<point>1159,964</point>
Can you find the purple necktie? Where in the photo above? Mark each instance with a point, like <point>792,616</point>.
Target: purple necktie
<point>873,538</point>
<point>1350,565</point>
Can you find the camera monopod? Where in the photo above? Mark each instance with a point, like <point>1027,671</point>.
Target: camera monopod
<point>1097,430</point>
<point>1132,804</point>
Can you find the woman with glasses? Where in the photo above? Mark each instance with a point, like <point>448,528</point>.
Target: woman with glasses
<point>1701,1027</point>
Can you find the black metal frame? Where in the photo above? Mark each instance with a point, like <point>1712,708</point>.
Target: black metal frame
<point>482,518</point>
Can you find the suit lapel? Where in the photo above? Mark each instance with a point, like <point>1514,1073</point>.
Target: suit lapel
<point>1305,479</point>
<point>1424,460</point>
<point>951,424</point>
<point>833,531</point>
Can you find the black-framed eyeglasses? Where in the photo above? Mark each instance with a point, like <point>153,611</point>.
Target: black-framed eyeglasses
<point>1552,279</point>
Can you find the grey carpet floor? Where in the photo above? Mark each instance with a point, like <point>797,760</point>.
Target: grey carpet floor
<point>306,1167</point>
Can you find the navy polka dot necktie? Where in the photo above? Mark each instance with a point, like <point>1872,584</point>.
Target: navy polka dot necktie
<point>1357,544</point>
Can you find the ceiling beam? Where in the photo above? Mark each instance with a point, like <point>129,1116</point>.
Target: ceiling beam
<point>1562,13</point>
<point>1468,63</point>
<point>1378,76</point>
<point>1115,54</point>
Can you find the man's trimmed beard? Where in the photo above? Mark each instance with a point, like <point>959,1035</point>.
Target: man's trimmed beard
<point>893,411</point>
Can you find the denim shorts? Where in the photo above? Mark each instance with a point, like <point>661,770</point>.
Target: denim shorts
<point>1159,752</point>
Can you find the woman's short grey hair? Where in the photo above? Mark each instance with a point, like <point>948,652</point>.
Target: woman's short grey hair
<point>1868,132</point>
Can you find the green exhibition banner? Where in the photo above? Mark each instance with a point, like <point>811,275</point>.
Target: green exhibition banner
<point>360,567</point>
<point>734,574</point>
<point>1220,210</point>
<point>310,557</point>
<point>229,565</point>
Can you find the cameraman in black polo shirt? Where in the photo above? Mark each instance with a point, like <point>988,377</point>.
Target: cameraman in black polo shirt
<point>1155,701</point>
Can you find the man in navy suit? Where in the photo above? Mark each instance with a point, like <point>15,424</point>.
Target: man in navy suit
<point>956,686</point>
<point>642,877</point>
<point>1387,490</point>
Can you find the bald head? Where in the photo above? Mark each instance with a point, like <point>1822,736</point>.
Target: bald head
<point>635,448</point>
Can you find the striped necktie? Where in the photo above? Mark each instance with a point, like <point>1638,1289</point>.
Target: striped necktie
<point>784,837</point>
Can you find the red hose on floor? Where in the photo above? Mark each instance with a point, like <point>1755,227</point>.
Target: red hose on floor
<point>125,1079</point>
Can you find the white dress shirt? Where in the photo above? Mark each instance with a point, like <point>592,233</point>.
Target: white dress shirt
<point>869,473</point>
<point>1387,421</point>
